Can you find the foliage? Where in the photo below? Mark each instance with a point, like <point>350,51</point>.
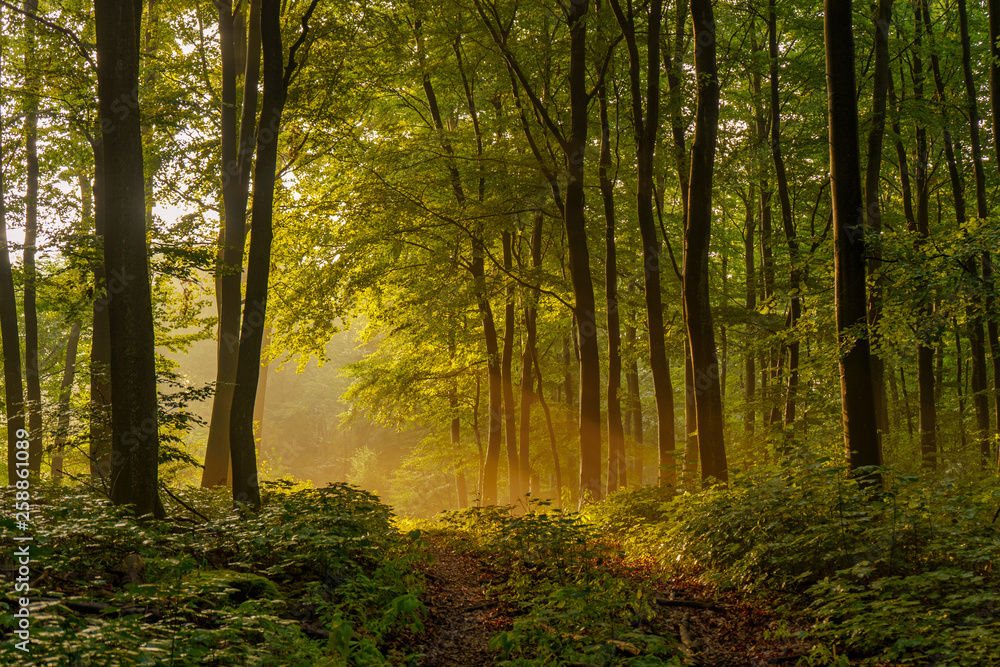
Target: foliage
<point>905,575</point>
<point>570,600</point>
<point>317,577</point>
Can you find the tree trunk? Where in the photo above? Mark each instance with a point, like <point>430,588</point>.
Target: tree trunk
<point>506,377</point>
<point>32,382</point>
<point>9,331</point>
<point>529,352</point>
<point>134,471</point>
<point>65,394</point>
<point>873,210</point>
<point>926,343</point>
<point>634,399</point>
<point>861,436</point>
<point>237,151</point>
<point>616,435</point>
<point>749,388</point>
<point>246,487</point>
<point>495,386</point>
<point>794,307</point>
<point>100,338</point>
<point>645,124</point>
<point>690,420</point>
<point>697,305</point>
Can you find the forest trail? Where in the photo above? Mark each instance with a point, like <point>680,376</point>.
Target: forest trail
<point>713,631</point>
<point>458,622</point>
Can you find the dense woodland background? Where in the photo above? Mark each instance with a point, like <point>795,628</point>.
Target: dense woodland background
<point>484,218</point>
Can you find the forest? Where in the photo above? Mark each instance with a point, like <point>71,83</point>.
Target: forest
<point>500,332</point>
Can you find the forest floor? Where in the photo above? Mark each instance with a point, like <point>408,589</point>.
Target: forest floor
<point>711,630</point>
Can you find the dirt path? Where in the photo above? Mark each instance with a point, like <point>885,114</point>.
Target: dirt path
<point>460,619</point>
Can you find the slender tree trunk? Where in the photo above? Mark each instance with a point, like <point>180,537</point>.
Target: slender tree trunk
<point>690,420</point>
<point>237,152</point>
<point>697,305</point>
<point>861,436</point>
<point>461,493</point>
<point>645,122</point>
<point>275,78</point>
<point>976,334</point>
<point>925,345</point>
<point>32,381</point>
<point>873,210</point>
<point>959,385</point>
<point>634,399</point>
<point>65,394</point>
<point>794,307</point>
<point>494,384</point>
<point>134,471</point>
<point>616,435</point>
<point>993,7</point>
<point>749,387</point>
<point>529,351</point>
<point>9,331</point>
<point>506,377</point>
<point>552,434</point>
<point>100,338</point>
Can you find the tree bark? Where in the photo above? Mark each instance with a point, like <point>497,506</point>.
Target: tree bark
<point>134,471</point>
<point>976,334</point>
<point>275,78</point>
<point>529,352</point>
<point>616,434</point>
<point>9,331</point>
<point>100,337</point>
<point>794,307</point>
<point>861,436</point>
<point>750,381</point>
<point>237,151</point>
<point>32,381</point>
<point>697,305</point>
<point>873,210</point>
<point>507,379</point>
<point>65,394</point>
<point>645,122</point>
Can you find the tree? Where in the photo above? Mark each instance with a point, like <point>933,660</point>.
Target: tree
<point>861,437</point>
<point>237,154</point>
<point>134,470</point>
<point>697,308</point>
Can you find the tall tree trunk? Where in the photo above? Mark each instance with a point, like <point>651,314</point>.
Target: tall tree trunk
<point>977,349</point>
<point>645,123</point>
<point>9,331</point>
<point>925,345</point>
<point>506,377</point>
<point>634,399</point>
<point>691,453</point>
<point>975,321</point>
<point>697,305</point>
<point>529,352</point>
<point>794,307</point>
<point>861,436</point>
<point>65,394</point>
<point>32,382</point>
<point>579,259</point>
<point>616,434</point>
<point>557,469</point>
<point>494,384</point>
<point>100,338</point>
<point>993,7</point>
<point>750,381</point>
<point>461,493</point>
<point>873,210</point>
<point>237,151</point>
<point>134,471</point>
<point>275,79</point>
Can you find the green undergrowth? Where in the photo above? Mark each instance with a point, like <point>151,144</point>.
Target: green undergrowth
<point>317,577</point>
<point>904,575</point>
<point>566,595</point>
